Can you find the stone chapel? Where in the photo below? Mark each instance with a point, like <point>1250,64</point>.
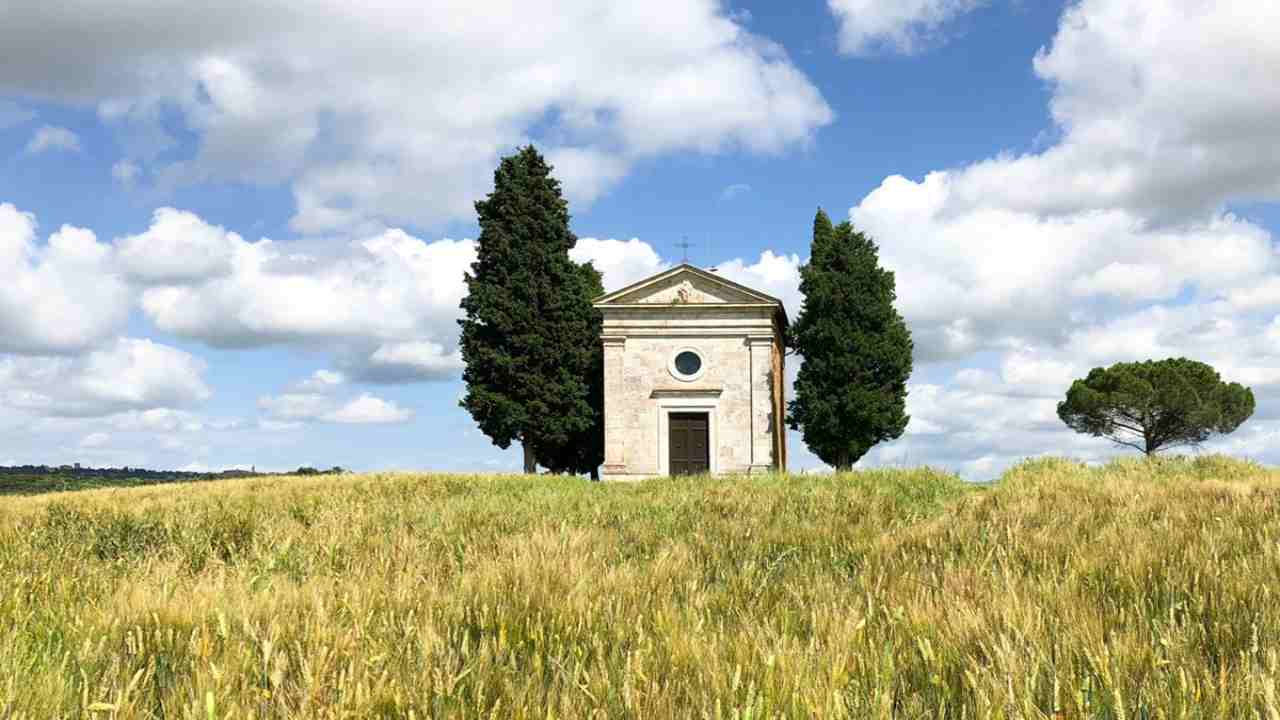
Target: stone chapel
<point>693,377</point>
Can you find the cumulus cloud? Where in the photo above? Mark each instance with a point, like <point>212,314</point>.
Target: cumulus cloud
<point>60,297</point>
<point>52,137</point>
<point>902,26</point>
<point>387,304</point>
<point>178,248</point>
<point>167,420</point>
<point>620,262</point>
<point>1019,273</point>
<point>368,409</point>
<point>321,381</point>
<point>981,419</point>
<point>624,262</point>
<point>306,407</point>
<point>777,275</point>
<point>66,372</point>
<point>295,406</point>
<point>375,119</point>
<point>415,360</point>
<point>385,307</point>
<point>992,277</point>
<point>1124,211</point>
<point>1164,109</point>
<point>128,374</point>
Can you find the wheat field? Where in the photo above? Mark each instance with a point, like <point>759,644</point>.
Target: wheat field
<point>1135,590</point>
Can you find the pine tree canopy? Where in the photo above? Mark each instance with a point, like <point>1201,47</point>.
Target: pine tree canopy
<point>850,391</point>
<point>1155,404</point>
<point>530,336</point>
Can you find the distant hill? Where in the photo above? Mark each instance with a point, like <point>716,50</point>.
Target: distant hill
<point>32,479</point>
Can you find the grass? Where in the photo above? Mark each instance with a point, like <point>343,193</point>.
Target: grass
<point>1135,590</point>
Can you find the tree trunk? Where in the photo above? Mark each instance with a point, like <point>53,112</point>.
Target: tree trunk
<point>530,465</point>
<point>842,463</point>
<point>595,474</point>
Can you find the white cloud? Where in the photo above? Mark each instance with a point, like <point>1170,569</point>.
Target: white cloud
<point>1018,274</point>
<point>402,361</point>
<point>980,421</point>
<point>277,425</point>
<point>406,127</point>
<point>380,303</point>
<point>178,248</point>
<point>587,173</point>
<point>128,374</point>
<point>777,275</point>
<point>289,408</point>
<point>620,262</point>
<point>165,420</point>
<point>1163,118</point>
<point>368,409</point>
<point>624,262</point>
<point>60,297</point>
<point>385,307</point>
<point>992,277</point>
<point>1166,108</point>
<point>51,137</point>
<point>321,381</point>
<point>902,26</point>
<point>295,406</point>
<point>732,191</point>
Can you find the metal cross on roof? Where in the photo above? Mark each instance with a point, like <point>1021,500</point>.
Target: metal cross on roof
<point>685,244</point>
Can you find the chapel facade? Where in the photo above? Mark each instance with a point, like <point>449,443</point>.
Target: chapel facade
<point>693,377</point>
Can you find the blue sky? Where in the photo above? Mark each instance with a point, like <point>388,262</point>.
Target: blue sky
<point>1058,186</point>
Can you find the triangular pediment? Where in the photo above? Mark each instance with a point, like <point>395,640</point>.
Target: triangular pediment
<point>686,285</point>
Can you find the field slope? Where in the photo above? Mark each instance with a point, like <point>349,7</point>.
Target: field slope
<point>1137,590</point>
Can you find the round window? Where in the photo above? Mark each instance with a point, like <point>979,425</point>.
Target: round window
<point>688,363</point>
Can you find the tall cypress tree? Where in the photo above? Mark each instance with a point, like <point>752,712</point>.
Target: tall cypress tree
<point>530,335</point>
<point>584,451</point>
<point>851,389</point>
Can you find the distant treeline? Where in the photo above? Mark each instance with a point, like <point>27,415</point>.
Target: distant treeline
<point>122,472</point>
<point>26,479</point>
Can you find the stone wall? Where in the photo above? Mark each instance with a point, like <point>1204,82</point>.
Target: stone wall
<point>737,388</point>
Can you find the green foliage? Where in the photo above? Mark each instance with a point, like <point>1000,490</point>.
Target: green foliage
<point>851,390</point>
<point>584,450</point>
<point>1154,405</point>
<point>530,338</point>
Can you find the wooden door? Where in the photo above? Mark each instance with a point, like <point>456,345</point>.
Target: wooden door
<point>688,442</point>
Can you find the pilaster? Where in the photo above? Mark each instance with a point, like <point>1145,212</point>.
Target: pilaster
<point>762,441</point>
<point>615,461</point>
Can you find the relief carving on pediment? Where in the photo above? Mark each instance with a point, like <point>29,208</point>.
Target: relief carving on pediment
<point>685,291</point>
